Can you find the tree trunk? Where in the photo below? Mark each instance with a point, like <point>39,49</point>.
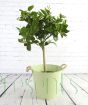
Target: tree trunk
<point>44,64</point>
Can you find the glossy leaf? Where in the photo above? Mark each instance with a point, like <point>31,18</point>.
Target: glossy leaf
<point>29,47</point>
<point>30,8</point>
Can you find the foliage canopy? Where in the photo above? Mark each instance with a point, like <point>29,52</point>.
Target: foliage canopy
<point>42,28</point>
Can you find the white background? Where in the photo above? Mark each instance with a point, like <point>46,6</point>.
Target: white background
<point>72,50</point>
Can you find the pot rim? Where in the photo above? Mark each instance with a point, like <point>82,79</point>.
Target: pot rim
<point>63,66</point>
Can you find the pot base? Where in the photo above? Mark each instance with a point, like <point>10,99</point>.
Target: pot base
<point>47,84</point>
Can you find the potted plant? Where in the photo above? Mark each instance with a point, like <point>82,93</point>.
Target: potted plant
<point>42,29</point>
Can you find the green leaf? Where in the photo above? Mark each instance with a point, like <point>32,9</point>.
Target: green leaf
<point>34,14</point>
<point>23,31</point>
<point>46,43</point>
<point>62,16</point>
<point>21,40</point>
<point>25,44</point>
<point>48,10</point>
<point>53,43</point>
<point>29,47</point>
<point>63,34</point>
<point>49,42</point>
<point>24,15</point>
<point>34,27</point>
<point>55,38</point>
<point>30,7</point>
<point>18,28</point>
<point>43,11</point>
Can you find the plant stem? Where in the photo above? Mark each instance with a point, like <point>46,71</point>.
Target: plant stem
<point>44,64</point>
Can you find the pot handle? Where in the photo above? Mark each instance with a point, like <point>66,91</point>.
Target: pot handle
<point>28,68</point>
<point>63,66</point>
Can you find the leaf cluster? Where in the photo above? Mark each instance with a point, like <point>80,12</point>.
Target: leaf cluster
<point>41,26</point>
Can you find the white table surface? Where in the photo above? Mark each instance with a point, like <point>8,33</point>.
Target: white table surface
<point>18,89</point>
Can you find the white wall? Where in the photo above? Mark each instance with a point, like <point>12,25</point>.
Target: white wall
<point>72,50</point>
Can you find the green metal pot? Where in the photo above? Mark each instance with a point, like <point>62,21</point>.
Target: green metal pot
<point>47,84</point>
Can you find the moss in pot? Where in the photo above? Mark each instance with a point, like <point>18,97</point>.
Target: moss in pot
<point>42,29</point>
